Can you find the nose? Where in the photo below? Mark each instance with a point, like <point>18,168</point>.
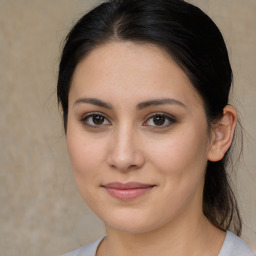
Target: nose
<point>125,150</point>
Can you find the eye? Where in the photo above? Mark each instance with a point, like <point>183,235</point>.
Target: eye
<point>95,120</point>
<point>159,120</point>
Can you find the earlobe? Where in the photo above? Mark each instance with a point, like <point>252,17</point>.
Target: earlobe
<point>222,134</point>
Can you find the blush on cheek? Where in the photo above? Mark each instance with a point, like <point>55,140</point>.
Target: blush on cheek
<point>85,157</point>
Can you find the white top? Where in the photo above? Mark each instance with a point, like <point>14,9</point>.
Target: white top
<point>232,246</point>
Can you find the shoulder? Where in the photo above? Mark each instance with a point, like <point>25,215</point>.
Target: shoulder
<point>235,246</point>
<point>86,250</point>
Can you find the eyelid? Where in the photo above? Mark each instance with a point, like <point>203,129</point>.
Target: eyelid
<point>91,114</point>
<point>160,114</point>
<point>167,116</point>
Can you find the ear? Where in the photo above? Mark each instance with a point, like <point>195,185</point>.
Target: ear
<point>222,134</point>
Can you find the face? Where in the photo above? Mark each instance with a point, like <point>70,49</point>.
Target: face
<point>137,137</point>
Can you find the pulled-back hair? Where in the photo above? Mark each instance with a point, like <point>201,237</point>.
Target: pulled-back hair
<point>193,40</point>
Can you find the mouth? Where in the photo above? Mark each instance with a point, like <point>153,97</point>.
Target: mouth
<point>127,191</point>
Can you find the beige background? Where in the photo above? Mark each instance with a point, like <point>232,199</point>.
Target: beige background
<point>41,211</point>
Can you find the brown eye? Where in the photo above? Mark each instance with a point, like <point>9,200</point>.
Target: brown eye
<point>159,121</point>
<point>98,120</point>
<point>95,120</point>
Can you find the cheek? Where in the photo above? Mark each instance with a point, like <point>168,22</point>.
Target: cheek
<point>86,153</point>
<point>182,156</point>
<point>83,157</point>
<point>180,163</point>
<point>86,159</point>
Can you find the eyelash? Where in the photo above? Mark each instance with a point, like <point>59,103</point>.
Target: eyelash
<point>166,117</point>
<point>85,119</point>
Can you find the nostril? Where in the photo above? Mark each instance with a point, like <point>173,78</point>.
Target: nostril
<point>125,164</point>
<point>133,166</point>
<point>124,167</point>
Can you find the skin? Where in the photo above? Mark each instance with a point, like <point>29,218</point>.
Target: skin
<point>128,145</point>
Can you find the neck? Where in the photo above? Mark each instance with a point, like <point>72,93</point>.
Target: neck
<point>188,237</point>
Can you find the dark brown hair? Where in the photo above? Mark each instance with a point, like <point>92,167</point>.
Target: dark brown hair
<point>194,42</point>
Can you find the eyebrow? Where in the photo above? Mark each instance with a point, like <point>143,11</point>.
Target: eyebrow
<point>94,101</point>
<point>142,105</point>
<point>156,102</point>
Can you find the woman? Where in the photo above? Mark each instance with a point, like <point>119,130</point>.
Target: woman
<point>144,89</point>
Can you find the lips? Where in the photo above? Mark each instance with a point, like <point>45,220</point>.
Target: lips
<point>127,191</point>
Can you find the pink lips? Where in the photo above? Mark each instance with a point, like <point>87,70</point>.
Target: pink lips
<point>127,191</point>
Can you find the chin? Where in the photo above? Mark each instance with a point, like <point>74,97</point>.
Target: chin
<point>130,227</point>
<point>134,223</point>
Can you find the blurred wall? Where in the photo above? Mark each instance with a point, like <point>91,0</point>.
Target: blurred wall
<point>41,211</point>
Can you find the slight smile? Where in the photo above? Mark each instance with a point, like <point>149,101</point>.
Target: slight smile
<point>127,191</point>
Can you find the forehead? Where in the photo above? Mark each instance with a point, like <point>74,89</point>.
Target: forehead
<point>128,68</point>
